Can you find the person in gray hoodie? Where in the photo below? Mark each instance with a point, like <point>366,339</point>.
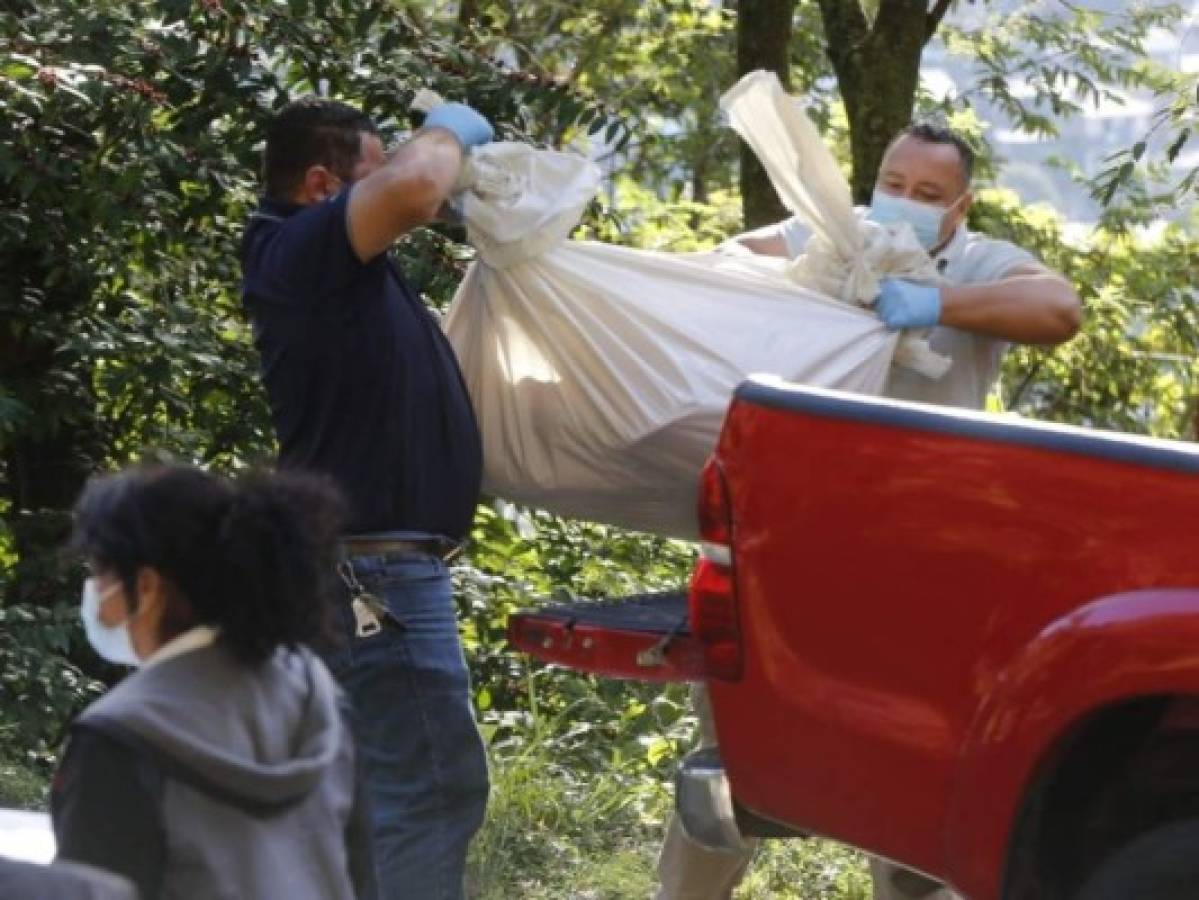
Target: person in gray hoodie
<point>224,766</point>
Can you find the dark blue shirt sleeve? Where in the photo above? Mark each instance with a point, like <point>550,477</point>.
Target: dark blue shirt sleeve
<point>106,809</point>
<point>306,258</point>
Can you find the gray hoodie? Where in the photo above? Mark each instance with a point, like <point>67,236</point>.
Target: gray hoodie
<point>248,774</point>
<point>61,881</point>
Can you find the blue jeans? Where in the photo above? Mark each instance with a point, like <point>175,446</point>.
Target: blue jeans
<point>425,764</point>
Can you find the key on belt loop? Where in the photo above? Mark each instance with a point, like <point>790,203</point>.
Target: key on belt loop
<point>368,609</point>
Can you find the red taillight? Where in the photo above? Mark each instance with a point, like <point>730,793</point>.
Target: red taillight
<point>713,604</point>
<point>714,524</point>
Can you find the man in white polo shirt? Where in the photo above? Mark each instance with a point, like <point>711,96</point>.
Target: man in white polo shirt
<point>998,293</point>
<point>995,294</point>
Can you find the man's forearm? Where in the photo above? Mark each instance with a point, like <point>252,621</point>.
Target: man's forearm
<point>1034,308</point>
<point>424,171</point>
<point>404,194</point>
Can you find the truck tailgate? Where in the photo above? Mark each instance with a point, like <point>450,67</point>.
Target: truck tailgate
<point>644,637</point>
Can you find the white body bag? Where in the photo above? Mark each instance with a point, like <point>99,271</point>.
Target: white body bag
<point>600,375</point>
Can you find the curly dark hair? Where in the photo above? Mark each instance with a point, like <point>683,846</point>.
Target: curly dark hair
<point>254,556</point>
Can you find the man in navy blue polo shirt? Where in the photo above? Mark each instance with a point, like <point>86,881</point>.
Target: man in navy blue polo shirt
<point>364,387</point>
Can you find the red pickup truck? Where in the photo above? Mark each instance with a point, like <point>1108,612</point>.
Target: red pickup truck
<point>966,643</point>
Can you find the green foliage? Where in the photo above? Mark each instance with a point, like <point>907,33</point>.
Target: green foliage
<point>1049,61</point>
<point>637,215</point>
<point>39,689</point>
<point>810,869</point>
<point>660,67</point>
<point>1171,131</point>
<point>22,786</point>
<point>556,830</point>
<point>1134,366</point>
<point>541,840</point>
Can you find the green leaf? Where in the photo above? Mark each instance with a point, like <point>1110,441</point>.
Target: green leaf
<point>1177,145</point>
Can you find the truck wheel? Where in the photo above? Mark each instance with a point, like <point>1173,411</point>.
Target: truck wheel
<point>1162,864</point>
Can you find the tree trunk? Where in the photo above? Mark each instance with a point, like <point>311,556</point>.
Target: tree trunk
<point>44,461</point>
<point>877,64</point>
<point>763,42</point>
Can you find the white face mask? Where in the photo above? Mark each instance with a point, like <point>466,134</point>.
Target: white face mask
<point>925,218</point>
<point>111,642</point>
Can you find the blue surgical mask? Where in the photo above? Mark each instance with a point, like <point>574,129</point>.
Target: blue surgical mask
<point>925,218</point>
<point>111,642</point>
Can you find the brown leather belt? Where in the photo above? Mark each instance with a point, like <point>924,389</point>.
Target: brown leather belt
<point>443,550</point>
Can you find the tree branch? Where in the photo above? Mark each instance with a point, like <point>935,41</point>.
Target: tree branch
<point>935,15</point>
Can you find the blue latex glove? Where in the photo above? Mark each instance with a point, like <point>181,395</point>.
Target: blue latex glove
<point>905,304</point>
<point>467,125</point>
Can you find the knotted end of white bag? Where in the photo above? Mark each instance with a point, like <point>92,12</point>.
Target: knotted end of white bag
<point>847,257</point>
<point>518,202</point>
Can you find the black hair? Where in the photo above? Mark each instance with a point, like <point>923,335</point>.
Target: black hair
<point>254,556</point>
<point>932,133</point>
<point>309,132</point>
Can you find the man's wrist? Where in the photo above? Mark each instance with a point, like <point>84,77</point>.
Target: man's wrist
<point>954,301</point>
